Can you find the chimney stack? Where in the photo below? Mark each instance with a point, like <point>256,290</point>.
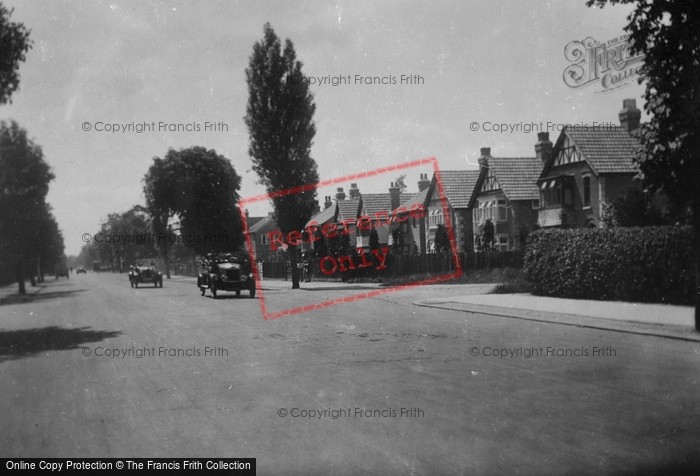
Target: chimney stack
<point>630,115</point>
<point>543,148</point>
<point>485,155</point>
<point>423,183</point>
<point>354,191</point>
<point>328,202</point>
<point>340,195</point>
<point>394,192</point>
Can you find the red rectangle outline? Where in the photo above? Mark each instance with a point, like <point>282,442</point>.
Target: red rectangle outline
<point>310,307</point>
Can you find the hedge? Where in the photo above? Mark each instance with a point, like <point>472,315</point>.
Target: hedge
<point>651,264</point>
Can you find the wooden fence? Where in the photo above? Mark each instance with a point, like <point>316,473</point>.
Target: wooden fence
<point>399,265</point>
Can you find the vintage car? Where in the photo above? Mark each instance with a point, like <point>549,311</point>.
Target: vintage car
<point>145,271</point>
<point>80,269</point>
<point>227,273</point>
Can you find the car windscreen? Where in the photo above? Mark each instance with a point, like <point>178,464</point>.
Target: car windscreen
<point>228,265</point>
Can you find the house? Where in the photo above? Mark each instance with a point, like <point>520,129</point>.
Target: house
<point>587,167</point>
<point>346,212</point>
<point>458,186</point>
<point>506,194</point>
<point>411,218</point>
<point>261,240</point>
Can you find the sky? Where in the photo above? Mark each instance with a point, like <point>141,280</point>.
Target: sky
<point>474,64</point>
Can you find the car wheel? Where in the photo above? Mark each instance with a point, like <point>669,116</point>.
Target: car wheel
<point>136,284</point>
<point>213,292</point>
<point>238,292</point>
<point>203,289</point>
<point>132,283</point>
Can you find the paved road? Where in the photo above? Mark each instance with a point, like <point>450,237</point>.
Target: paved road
<point>610,413</point>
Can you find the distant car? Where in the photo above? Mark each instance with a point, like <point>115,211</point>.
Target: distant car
<point>62,270</point>
<point>80,269</point>
<point>145,271</point>
<point>231,274</point>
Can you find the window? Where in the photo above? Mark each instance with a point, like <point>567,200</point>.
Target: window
<point>586,191</point>
<point>435,218</point>
<point>502,212</point>
<point>265,239</point>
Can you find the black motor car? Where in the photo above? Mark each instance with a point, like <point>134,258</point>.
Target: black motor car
<point>80,269</point>
<point>145,271</point>
<point>232,274</point>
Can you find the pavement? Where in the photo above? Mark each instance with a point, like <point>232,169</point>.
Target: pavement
<point>661,320</point>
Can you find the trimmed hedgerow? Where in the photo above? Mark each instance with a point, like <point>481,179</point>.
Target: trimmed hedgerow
<point>651,264</point>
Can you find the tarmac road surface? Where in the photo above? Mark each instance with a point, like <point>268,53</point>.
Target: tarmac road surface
<point>93,368</point>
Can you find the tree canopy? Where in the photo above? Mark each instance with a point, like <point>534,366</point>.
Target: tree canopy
<point>667,33</point>
<point>29,236</point>
<point>14,45</point>
<point>199,188</point>
<point>281,128</point>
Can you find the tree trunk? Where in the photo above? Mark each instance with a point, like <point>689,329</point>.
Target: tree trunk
<point>166,263</point>
<point>696,234</point>
<point>19,274</point>
<point>295,269</point>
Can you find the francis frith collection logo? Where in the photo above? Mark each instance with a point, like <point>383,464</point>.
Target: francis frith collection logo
<point>607,65</point>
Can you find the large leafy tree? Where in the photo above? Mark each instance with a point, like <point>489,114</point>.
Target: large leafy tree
<point>280,123</point>
<point>14,44</point>
<point>197,188</point>
<point>24,213</point>
<point>667,32</point>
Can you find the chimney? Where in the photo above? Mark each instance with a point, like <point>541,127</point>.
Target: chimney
<point>543,148</point>
<point>340,195</point>
<point>394,192</point>
<point>485,154</point>
<point>327,204</point>
<point>247,215</point>
<point>630,115</point>
<point>354,191</point>
<point>423,183</point>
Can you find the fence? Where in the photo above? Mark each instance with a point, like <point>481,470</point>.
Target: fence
<point>400,265</point>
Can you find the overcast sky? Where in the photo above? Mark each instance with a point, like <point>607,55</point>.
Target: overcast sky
<point>183,63</point>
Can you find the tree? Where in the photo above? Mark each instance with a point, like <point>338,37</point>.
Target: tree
<point>200,188</point>
<point>14,44</point>
<point>401,183</point>
<point>24,183</point>
<point>489,231</point>
<point>373,239</point>
<point>667,33</point>
<point>442,240</point>
<point>280,123</point>
<point>639,207</point>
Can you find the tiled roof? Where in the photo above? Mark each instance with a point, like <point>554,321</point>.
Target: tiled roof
<point>253,220</point>
<point>261,224</point>
<point>380,202</point>
<point>608,150</point>
<point>458,186</point>
<point>517,176</point>
<point>324,216</point>
<point>348,208</point>
<point>417,198</point>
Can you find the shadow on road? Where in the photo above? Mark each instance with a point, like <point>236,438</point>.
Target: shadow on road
<point>36,297</point>
<point>27,342</point>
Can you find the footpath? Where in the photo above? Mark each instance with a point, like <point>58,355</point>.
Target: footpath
<point>661,320</point>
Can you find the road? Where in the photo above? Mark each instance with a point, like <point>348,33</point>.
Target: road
<point>627,412</point>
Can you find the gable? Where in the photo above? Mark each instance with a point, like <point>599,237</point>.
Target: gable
<point>489,184</point>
